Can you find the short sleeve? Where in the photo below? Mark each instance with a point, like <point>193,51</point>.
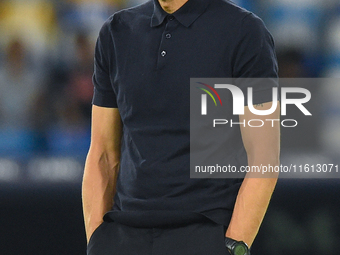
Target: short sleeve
<point>255,63</point>
<point>104,94</point>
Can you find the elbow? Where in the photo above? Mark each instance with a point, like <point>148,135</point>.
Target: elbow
<point>106,161</point>
<point>264,157</point>
<point>264,163</point>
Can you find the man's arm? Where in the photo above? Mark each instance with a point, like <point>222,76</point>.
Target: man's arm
<point>101,167</point>
<point>263,147</point>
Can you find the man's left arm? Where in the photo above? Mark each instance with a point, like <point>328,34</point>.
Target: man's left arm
<point>262,145</point>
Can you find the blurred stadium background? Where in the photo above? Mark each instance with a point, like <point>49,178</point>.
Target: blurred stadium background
<point>46,63</point>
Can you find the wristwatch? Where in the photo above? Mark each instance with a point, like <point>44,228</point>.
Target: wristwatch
<point>236,247</point>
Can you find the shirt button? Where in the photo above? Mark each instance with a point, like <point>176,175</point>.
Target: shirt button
<point>163,53</point>
<point>171,17</point>
<point>168,36</point>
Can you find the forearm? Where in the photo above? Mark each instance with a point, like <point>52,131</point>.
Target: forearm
<point>99,186</point>
<point>263,148</point>
<point>250,207</point>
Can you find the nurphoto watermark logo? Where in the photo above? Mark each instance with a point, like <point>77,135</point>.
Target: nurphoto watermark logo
<point>239,103</point>
<point>222,110</point>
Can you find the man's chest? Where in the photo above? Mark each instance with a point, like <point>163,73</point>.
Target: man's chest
<point>152,66</point>
<point>201,50</point>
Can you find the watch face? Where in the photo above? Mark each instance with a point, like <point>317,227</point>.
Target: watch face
<point>240,249</point>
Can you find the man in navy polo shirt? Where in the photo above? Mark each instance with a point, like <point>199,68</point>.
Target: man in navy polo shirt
<point>137,171</point>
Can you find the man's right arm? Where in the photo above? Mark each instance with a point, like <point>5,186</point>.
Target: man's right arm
<point>101,167</point>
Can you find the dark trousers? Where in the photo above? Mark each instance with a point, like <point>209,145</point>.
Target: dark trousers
<point>112,238</point>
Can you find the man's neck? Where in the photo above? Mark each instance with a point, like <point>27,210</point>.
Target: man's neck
<point>170,6</point>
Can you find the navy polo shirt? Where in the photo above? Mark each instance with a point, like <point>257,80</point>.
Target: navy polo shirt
<point>144,60</point>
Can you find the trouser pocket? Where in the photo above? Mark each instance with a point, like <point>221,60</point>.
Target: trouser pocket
<point>93,239</point>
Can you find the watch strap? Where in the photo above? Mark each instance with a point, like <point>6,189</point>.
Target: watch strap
<point>229,243</point>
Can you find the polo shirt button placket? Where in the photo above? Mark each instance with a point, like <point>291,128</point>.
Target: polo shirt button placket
<point>165,43</point>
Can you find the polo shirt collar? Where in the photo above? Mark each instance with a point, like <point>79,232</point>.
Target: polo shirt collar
<point>186,15</point>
